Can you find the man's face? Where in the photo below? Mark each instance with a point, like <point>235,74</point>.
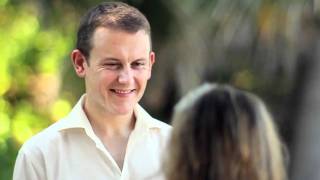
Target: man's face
<point>119,67</point>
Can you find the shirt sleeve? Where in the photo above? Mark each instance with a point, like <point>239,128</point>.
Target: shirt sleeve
<point>28,167</point>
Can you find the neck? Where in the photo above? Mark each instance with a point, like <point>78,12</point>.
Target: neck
<point>106,124</point>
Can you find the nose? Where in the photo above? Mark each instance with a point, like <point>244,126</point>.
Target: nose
<point>125,76</point>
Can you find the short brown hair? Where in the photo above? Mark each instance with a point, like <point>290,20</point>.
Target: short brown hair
<point>114,15</point>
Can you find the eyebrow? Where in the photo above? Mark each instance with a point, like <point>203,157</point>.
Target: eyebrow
<point>110,59</point>
<point>140,59</point>
<point>115,59</point>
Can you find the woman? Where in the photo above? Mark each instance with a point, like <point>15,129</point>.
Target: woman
<point>222,133</point>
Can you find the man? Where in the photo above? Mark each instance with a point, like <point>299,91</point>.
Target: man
<point>107,135</point>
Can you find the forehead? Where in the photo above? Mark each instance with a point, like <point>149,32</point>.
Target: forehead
<point>119,44</point>
<point>112,35</point>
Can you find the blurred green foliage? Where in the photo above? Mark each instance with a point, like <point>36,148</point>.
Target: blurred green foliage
<point>32,53</point>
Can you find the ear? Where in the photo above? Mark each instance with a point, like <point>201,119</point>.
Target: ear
<point>152,58</point>
<point>79,62</point>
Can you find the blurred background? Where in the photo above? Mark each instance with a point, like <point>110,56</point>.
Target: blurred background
<point>269,47</point>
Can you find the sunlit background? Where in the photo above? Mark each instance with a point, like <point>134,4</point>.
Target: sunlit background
<point>269,47</point>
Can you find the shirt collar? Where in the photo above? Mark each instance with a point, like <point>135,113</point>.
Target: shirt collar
<point>144,120</point>
<point>78,119</point>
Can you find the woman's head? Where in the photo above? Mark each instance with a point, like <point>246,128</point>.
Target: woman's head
<point>223,133</point>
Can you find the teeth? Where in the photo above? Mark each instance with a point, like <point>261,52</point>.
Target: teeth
<point>122,91</point>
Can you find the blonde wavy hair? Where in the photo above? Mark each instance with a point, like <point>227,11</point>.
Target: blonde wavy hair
<point>222,133</point>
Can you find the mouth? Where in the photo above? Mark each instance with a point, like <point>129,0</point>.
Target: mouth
<point>122,91</point>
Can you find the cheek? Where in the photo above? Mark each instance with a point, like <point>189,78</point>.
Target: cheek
<point>104,79</point>
<point>108,76</point>
<point>148,74</point>
<point>143,78</point>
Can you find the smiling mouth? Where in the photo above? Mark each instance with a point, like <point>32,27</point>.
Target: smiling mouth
<point>121,91</point>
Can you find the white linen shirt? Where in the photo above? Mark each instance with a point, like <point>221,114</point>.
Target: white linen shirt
<point>70,150</point>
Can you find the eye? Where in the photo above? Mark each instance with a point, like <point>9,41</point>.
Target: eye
<point>138,64</point>
<point>112,66</point>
